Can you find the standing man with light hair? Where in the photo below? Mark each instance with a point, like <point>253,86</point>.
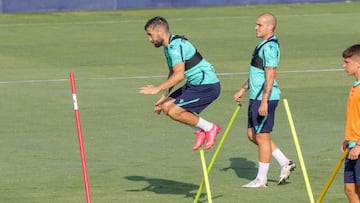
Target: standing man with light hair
<point>264,97</point>
<point>201,88</point>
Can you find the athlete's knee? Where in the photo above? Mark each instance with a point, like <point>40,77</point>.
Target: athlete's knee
<point>165,109</point>
<point>171,111</point>
<point>174,113</point>
<point>251,135</point>
<point>263,138</point>
<point>166,106</point>
<point>351,191</point>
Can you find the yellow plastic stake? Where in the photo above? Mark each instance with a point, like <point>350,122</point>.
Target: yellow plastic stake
<point>332,176</point>
<point>206,177</point>
<point>221,143</point>
<point>298,149</point>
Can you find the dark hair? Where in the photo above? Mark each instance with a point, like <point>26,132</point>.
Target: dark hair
<point>351,51</point>
<point>157,21</point>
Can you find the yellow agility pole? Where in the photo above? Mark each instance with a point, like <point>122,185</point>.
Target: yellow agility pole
<point>221,143</point>
<point>206,178</point>
<point>332,176</point>
<point>298,149</point>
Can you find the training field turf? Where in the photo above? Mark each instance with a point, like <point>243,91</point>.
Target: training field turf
<point>135,156</point>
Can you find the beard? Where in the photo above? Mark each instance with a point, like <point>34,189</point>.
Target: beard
<point>158,43</point>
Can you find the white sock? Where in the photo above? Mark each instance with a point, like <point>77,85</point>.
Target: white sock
<point>263,171</point>
<point>280,157</point>
<point>204,124</point>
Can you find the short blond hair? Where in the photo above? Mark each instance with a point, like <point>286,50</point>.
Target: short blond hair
<point>270,19</point>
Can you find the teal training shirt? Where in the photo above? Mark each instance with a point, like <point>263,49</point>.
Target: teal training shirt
<point>179,50</point>
<point>270,54</point>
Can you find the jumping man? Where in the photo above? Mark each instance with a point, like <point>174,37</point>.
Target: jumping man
<point>202,86</point>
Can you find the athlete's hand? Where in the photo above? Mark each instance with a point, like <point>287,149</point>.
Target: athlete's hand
<point>238,96</point>
<point>263,109</point>
<point>343,146</point>
<point>158,104</point>
<point>354,153</point>
<point>157,108</point>
<point>149,89</point>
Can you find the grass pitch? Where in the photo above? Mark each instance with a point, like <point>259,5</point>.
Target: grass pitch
<point>135,156</point>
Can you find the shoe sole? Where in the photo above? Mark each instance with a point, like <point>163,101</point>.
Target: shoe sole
<point>263,186</point>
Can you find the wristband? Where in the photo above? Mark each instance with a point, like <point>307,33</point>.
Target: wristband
<point>351,144</point>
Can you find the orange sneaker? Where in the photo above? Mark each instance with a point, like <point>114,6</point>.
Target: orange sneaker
<point>200,139</point>
<point>211,136</point>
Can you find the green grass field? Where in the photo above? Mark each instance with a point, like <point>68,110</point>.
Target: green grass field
<point>135,156</point>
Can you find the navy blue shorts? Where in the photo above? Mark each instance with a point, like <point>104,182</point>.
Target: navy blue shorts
<point>259,123</point>
<point>352,171</point>
<point>195,98</point>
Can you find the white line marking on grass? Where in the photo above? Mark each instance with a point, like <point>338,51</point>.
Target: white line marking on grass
<point>205,18</point>
<point>312,71</point>
<point>161,76</point>
<point>32,81</point>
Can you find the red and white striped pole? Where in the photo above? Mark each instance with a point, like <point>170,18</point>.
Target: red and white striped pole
<point>80,139</point>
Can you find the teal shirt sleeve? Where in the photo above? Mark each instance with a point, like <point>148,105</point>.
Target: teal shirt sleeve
<point>175,54</point>
<point>180,50</point>
<point>270,54</point>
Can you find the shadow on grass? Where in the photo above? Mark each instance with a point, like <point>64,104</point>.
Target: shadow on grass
<point>163,186</point>
<point>242,167</point>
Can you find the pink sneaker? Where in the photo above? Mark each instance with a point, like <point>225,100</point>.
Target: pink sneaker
<point>200,139</point>
<point>211,136</point>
